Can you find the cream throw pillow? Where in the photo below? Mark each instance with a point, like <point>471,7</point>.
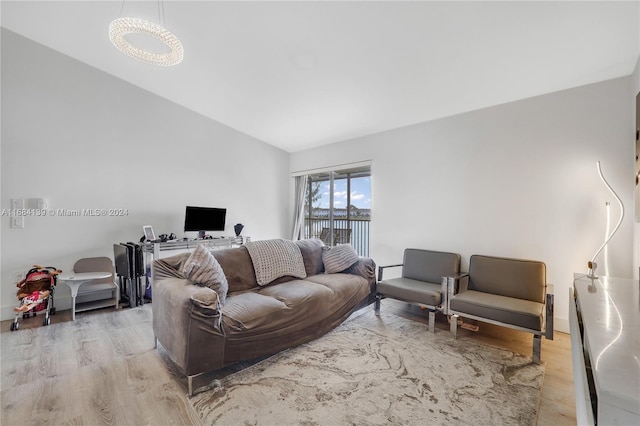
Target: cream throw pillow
<point>338,258</point>
<point>203,269</point>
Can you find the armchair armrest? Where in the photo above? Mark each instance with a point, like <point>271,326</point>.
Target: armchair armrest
<point>548,317</point>
<point>457,283</point>
<point>550,289</point>
<point>381,269</point>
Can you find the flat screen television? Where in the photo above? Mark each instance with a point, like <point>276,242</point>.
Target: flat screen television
<point>204,219</point>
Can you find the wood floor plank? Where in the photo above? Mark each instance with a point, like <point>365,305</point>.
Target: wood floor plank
<point>104,370</point>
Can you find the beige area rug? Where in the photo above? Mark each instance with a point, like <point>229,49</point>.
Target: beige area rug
<point>380,370</point>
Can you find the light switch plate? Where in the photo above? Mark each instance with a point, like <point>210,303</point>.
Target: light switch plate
<point>17,203</point>
<point>17,222</point>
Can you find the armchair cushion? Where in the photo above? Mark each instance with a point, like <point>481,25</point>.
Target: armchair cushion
<point>508,310</point>
<point>518,278</point>
<point>429,266</point>
<point>411,290</point>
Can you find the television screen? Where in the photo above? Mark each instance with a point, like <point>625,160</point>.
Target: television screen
<point>204,219</point>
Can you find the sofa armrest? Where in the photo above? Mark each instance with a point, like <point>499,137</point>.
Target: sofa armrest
<point>169,267</point>
<point>548,317</point>
<point>186,321</point>
<point>206,298</point>
<point>366,268</point>
<point>382,268</point>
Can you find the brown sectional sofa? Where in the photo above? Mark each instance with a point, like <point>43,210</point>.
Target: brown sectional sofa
<point>199,336</point>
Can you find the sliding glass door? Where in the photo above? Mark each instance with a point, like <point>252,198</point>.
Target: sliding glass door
<point>338,208</point>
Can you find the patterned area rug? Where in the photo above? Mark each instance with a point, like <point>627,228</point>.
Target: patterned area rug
<point>380,370</point>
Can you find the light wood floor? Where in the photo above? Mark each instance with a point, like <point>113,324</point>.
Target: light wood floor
<point>88,375</point>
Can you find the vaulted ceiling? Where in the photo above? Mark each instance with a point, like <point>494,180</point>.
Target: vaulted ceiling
<point>303,74</point>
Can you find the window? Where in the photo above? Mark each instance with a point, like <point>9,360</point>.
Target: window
<point>338,207</point>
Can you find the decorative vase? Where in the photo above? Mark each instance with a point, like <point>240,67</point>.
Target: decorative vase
<point>238,228</point>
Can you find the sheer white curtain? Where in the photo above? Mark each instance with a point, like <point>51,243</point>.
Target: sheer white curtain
<point>298,219</point>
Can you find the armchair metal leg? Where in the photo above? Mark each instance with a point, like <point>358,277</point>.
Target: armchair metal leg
<point>537,348</point>
<point>453,325</point>
<point>377,305</point>
<point>432,321</point>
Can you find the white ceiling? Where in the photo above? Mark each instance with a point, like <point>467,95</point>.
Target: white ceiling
<point>303,74</point>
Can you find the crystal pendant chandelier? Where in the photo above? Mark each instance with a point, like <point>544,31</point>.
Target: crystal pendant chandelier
<point>120,27</point>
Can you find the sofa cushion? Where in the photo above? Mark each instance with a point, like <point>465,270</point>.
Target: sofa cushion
<point>277,308</point>
<point>308,309</point>
<point>346,287</point>
<point>411,290</point>
<point>508,310</point>
<point>243,311</point>
<point>338,258</point>
<point>202,268</point>
<point>311,250</point>
<point>238,268</point>
<point>274,259</point>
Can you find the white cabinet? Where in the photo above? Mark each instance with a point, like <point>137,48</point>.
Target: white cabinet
<point>604,317</point>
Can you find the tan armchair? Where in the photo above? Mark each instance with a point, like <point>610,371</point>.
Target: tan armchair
<point>509,292</point>
<point>423,282</point>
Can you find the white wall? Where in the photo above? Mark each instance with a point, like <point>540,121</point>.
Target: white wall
<point>516,180</point>
<point>84,139</point>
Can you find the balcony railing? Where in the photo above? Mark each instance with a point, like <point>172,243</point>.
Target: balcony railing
<point>359,235</point>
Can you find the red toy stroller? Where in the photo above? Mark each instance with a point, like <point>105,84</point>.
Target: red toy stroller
<point>34,293</point>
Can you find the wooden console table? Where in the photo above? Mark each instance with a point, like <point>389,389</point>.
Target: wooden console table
<point>604,317</point>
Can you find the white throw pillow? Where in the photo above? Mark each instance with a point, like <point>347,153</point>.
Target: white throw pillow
<point>203,269</point>
<point>338,258</point>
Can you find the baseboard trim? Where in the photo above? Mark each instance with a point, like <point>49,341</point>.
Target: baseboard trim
<point>561,325</point>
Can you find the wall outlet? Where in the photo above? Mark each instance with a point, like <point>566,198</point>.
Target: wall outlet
<point>17,203</point>
<point>17,222</point>
<point>18,276</point>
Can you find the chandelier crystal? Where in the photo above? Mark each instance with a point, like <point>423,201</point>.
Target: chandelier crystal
<point>123,26</point>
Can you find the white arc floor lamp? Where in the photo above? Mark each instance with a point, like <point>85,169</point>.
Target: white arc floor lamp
<point>592,265</point>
